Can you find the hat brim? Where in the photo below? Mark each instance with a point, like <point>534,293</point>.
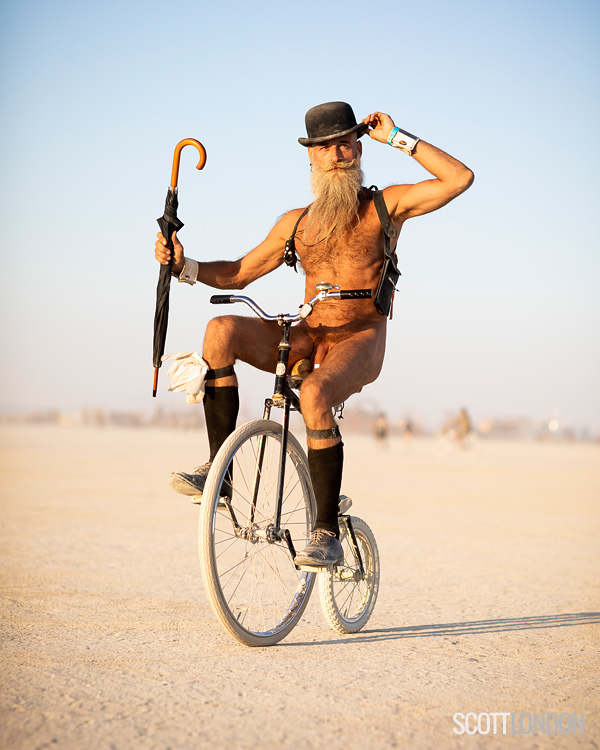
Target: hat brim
<point>360,130</point>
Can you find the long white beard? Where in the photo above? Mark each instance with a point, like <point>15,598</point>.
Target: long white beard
<point>336,189</point>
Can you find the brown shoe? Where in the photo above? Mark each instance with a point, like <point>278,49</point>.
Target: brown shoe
<point>193,484</point>
<point>323,551</point>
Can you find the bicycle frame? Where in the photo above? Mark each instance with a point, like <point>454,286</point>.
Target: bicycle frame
<point>285,398</point>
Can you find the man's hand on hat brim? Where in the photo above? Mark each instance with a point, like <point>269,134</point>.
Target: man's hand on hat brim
<point>381,126</point>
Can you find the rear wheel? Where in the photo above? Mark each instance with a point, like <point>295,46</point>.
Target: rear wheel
<point>348,595</point>
<point>248,569</point>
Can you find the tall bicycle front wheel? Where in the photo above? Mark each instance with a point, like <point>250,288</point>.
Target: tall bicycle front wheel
<point>349,592</point>
<point>247,562</point>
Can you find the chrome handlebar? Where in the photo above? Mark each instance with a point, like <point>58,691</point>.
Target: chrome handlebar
<point>325,291</point>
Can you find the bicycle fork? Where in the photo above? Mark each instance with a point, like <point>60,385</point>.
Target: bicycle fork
<point>354,544</point>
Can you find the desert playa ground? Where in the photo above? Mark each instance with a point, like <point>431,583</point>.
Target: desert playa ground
<point>489,602</point>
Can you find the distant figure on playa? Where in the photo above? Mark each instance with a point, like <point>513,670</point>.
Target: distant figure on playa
<point>408,432</point>
<point>381,430</point>
<point>459,428</point>
<point>337,239</point>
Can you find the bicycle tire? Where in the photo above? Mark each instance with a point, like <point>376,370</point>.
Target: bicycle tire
<point>252,583</point>
<point>347,598</point>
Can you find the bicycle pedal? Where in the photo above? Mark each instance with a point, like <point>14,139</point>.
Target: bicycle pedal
<point>317,568</point>
<point>197,500</point>
<point>329,568</point>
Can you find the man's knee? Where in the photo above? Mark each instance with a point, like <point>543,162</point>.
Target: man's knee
<point>223,325</point>
<point>314,396</point>
<point>219,332</point>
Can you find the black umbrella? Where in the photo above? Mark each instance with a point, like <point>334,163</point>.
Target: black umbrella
<point>169,223</point>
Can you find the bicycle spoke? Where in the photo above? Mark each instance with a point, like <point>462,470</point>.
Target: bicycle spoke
<point>347,597</point>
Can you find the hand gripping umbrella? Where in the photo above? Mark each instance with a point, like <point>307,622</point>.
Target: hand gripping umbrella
<point>168,224</point>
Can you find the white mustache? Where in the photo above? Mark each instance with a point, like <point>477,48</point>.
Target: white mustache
<point>353,164</point>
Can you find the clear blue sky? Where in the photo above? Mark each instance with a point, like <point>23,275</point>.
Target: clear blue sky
<point>498,306</point>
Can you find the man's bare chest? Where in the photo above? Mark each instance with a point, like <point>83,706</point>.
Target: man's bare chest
<point>361,248</point>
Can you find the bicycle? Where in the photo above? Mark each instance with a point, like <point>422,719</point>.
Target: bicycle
<point>258,508</point>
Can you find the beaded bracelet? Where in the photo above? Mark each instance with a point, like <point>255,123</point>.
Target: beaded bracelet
<point>391,135</point>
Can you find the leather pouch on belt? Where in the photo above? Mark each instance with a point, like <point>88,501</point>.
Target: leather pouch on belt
<point>387,285</point>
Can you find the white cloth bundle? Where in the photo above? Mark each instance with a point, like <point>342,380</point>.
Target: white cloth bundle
<point>187,374</point>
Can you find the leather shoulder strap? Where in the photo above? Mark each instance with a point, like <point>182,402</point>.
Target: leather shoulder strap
<point>290,257</point>
<point>302,215</point>
<point>386,223</point>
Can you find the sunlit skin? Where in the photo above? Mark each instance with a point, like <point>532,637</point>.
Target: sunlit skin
<point>346,339</point>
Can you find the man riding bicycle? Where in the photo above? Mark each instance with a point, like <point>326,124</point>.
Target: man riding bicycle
<point>339,239</point>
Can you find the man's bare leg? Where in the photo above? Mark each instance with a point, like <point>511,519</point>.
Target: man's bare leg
<point>227,339</point>
<point>346,368</point>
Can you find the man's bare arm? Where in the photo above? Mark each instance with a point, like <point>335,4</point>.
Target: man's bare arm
<point>451,177</point>
<point>234,274</point>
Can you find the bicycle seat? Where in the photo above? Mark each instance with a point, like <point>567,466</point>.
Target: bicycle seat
<point>300,370</point>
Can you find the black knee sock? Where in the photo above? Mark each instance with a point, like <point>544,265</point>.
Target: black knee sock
<point>221,406</point>
<point>325,466</point>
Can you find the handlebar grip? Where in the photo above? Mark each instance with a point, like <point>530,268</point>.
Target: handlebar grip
<point>221,299</point>
<point>356,294</point>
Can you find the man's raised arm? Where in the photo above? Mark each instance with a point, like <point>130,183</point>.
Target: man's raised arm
<point>452,177</point>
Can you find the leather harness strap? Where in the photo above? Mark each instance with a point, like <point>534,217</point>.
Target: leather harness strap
<point>290,258</point>
<point>389,230</point>
<point>386,224</point>
<point>384,296</point>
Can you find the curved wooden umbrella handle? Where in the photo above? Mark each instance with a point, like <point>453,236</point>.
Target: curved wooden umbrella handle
<point>177,156</point>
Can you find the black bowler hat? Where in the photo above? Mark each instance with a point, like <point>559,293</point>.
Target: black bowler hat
<point>330,120</point>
